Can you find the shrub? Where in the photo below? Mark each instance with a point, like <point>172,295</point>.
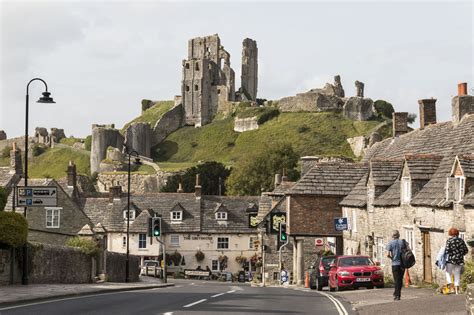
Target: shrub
<point>3,198</point>
<point>468,275</point>
<point>303,129</point>
<point>88,143</point>
<point>13,229</point>
<point>38,149</point>
<point>87,246</point>
<point>6,151</point>
<point>385,109</point>
<point>199,255</point>
<point>268,114</point>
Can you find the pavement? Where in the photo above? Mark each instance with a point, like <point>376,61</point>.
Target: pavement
<point>14,294</point>
<point>413,301</point>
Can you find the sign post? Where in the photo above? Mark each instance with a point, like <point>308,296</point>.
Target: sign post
<point>37,196</point>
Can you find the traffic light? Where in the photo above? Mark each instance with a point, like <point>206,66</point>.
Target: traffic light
<point>156,226</point>
<point>283,237</point>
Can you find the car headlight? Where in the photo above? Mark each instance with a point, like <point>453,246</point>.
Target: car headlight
<point>378,272</point>
<point>344,273</point>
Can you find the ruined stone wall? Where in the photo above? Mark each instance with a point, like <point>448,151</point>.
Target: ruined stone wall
<point>245,124</point>
<point>249,74</point>
<point>310,102</point>
<point>358,108</point>
<point>139,183</point>
<point>196,91</point>
<point>103,136</point>
<point>168,123</point>
<point>138,138</point>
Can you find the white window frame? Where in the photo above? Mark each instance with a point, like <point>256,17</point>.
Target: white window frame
<point>410,238</point>
<point>462,235</point>
<point>380,249</point>
<point>406,190</point>
<point>51,215</point>
<point>354,220</point>
<point>218,265</point>
<point>459,185</point>
<point>221,241</point>
<point>221,215</point>
<point>132,215</point>
<point>141,241</point>
<point>174,240</point>
<point>176,216</point>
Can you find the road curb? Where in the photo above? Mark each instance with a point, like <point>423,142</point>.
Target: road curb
<point>86,293</point>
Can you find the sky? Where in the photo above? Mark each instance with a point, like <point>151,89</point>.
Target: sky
<point>101,58</point>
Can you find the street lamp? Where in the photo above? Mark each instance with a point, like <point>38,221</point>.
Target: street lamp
<point>136,162</point>
<point>43,99</point>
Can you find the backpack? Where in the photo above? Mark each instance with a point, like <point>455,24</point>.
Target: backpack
<point>406,257</point>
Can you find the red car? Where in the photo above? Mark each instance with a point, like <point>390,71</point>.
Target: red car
<point>354,272</point>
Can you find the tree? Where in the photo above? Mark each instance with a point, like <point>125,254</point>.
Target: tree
<point>3,198</point>
<point>255,172</point>
<point>209,174</point>
<point>384,108</point>
<point>411,118</point>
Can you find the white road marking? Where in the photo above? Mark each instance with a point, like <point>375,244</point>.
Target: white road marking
<point>340,308</point>
<point>168,313</point>
<point>216,295</point>
<point>197,302</point>
<point>231,291</point>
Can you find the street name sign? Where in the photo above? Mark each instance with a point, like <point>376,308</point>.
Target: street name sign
<point>37,196</point>
<point>340,224</point>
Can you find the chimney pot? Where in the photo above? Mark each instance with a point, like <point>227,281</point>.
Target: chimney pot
<point>462,89</point>
<point>197,188</point>
<point>427,112</point>
<point>277,180</point>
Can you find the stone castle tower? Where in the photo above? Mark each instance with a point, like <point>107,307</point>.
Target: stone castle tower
<point>209,80</point>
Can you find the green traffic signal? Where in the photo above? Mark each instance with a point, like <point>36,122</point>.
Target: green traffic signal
<point>283,235</point>
<point>156,227</point>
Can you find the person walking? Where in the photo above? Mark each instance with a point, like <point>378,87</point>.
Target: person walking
<point>455,251</point>
<point>394,249</point>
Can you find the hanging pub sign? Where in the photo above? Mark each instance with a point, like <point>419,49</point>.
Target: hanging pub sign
<point>275,220</point>
<point>253,222</point>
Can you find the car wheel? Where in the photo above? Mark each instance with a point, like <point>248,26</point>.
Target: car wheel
<point>370,287</point>
<point>381,286</point>
<point>319,285</point>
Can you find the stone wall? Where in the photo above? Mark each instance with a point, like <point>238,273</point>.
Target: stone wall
<point>169,122</point>
<point>5,267</point>
<point>139,183</point>
<point>470,299</point>
<point>249,72</point>
<point>310,102</point>
<point>138,138</point>
<point>115,267</point>
<point>245,124</point>
<point>358,108</point>
<point>358,145</point>
<point>103,136</point>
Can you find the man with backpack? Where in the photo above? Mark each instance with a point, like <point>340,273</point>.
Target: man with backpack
<point>396,248</point>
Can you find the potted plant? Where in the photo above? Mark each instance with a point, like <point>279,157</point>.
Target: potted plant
<point>199,256</point>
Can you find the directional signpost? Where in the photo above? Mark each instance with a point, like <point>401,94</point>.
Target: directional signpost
<point>37,196</point>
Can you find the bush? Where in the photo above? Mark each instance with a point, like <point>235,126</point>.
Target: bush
<point>87,246</point>
<point>383,108</point>
<point>3,198</point>
<point>6,151</point>
<point>303,129</point>
<point>13,229</point>
<point>268,114</point>
<point>468,275</point>
<point>88,143</point>
<point>38,149</point>
<point>199,255</point>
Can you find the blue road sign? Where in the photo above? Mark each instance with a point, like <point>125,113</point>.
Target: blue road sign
<point>340,224</point>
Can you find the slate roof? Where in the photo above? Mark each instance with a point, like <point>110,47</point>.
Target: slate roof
<point>384,172</point>
<point>264,206</point>
<point>357,197</point>
<point>467,164</point>
<point>390,197</point>
<point>335,179</point>
<point>422,166</point>
<point>283,188</point>
<point>468,199</point>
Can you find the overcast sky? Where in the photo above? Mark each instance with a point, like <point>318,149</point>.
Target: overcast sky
<point>101,58</point>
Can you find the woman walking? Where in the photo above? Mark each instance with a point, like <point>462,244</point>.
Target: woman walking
<point>455,251</point>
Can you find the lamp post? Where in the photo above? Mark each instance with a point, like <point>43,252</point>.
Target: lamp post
<point>48,100</point>
<point>137,162</point>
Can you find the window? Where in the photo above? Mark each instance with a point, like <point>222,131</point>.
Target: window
<point>132,215</point>
<point>187,88</point>
<point>176,216</point>
<point>354,220</point>
<point>174,240</point>
<point>215,266</point>
<point>142,240</point>
<point>410,238</point>
<point>197,66</point>
<point>379,249</point>
<point>252,241</point>
<point>196,87</point>
<point>459,183</point>
<point>187,65</point>
<point>222,243</point>
<point>462,235</point>
<point>52,217</point>
<point>124,241</point>
<point>221,216</point>
<point>406,190</point>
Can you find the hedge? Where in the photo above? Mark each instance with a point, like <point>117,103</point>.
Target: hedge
<point>13,229</point>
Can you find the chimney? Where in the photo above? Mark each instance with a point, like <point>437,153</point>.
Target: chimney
<point>197,188</point>
<point>180,188</point>
<point>115,192</point>
<point>277,180</point>
<point>284,178</point>
<point>15,160</point>
<point>462,104</point>
<point>400,123</point>
<point>71,175</point>
<point>427,112</point>
<point>462,89</point>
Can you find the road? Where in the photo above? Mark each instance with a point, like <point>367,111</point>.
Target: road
<point>188,297</point>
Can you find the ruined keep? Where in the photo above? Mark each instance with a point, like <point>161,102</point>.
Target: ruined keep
<point>249,76</point>
<point>209,80</point>
<point>103,136</point>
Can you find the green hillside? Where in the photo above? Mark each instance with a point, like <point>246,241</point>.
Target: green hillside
<point>309,133</point>
<point>53,163</point>
<point>152,114</point>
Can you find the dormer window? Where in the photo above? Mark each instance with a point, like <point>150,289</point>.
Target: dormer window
<point>176,216</point>
<point>132,215</point>
<point>221,215</point>
<point>406,190</point>
<point>459,186</point>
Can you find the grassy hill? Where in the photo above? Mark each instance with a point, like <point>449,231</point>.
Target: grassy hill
<point>309,133</point>
<point>53,163</point>
<point>152,114</point>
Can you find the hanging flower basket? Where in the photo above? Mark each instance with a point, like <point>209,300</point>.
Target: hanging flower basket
<point>223,261</point>
<point>240,259</point>
<point>199,255</point>
<point>175,258</point>
<point>470,242</point>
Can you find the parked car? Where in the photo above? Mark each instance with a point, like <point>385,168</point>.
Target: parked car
<point>319,272</point>
<point>151,268</point>
<point>354,272</point>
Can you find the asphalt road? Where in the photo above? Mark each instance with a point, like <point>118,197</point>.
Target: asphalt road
<point>188,297</point>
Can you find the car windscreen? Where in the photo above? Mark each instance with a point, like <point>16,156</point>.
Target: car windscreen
<point>327,261</point>
<point>355,261</point>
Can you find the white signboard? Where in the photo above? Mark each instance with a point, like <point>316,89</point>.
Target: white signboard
<point>37,196</point>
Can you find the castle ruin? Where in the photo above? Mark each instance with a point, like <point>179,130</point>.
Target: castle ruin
<point>208,79</point>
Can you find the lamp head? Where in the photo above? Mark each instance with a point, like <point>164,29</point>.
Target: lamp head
<point>46,98</point>
<point>137,161</point>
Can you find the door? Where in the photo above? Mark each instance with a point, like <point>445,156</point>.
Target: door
<point>427,276</point>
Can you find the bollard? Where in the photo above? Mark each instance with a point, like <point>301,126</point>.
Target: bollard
<point>407,279</point>
<point>306,280</point>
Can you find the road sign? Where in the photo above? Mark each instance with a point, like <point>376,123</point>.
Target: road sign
<point>340,224</point>
<point>37,196</point>
<point>319,241</point>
